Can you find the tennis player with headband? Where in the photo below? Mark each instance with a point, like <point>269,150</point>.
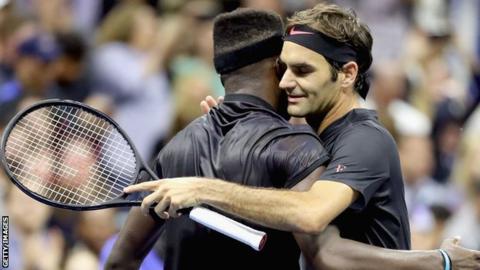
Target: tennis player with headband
<point>363,177</point>
<point>244,139</point>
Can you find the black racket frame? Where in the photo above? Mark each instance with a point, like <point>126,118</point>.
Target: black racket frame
<point>124,200</point>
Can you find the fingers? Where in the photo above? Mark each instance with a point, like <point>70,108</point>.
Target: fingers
<point>161,208</point>
<point>211,101</point>
<point>172,210</point>
<point>448,242</point>
<point>167,197</point>
<point>204,107</point>
<point>163,205</point>
<point>149,201</point>
<point>456,240</point>
<point>145,186</point>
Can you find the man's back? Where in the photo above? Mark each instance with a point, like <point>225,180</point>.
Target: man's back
<point>244,141</point>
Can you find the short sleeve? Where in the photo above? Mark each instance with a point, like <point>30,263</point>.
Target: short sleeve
<point>360,160</point>
<point>295,157</point>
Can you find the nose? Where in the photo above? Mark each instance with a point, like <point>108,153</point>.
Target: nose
<point>287,82</point>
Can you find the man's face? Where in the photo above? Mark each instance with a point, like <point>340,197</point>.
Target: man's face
<point>307,81</point>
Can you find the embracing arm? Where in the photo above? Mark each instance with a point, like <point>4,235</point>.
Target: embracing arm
<point>289,210</point>
<point>134,241</point>
<point>293,211</point>
<point>307,211</point>
<point>329,251</point>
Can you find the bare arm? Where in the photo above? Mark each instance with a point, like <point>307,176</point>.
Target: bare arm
<point>329,251</point>
<point>300,212</point>
<point>134,241</point>
<point>297,211</point>
<point>307,212</point>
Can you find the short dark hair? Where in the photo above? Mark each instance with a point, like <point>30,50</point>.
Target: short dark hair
<point>344,26</point>
<point>242,28</point>
<point>71,45</point>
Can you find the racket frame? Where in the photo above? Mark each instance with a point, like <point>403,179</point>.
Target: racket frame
<point>120,201</point>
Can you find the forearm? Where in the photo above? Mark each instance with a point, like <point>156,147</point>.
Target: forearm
<point>305,212</point>
<point>134,241</point>
<point>334,252</point>
<point>358,257</point>
<point>279,209</point>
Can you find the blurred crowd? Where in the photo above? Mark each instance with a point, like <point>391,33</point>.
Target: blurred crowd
<point>148,64</point>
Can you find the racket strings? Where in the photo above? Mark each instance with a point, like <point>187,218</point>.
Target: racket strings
<point>70,156</point>
<point>56,143</point>
<point>55,170</point>
<point>56,174</point>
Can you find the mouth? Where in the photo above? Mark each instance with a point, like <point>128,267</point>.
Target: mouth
<point>295,98</point>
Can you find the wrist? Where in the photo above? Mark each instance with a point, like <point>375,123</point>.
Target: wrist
<point>447,262</point>
<point>432,258</point>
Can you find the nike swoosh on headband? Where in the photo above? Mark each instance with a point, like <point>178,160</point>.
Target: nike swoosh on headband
<point>296,32</point>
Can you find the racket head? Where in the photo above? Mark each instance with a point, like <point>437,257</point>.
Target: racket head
<point>66,154</point>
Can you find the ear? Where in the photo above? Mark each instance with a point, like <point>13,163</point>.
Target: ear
<point>350,72</point>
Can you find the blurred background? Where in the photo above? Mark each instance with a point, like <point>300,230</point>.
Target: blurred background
<point>148,64</point>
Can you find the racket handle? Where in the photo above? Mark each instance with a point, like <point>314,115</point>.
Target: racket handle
<point>229,227</point>
<point>222,224</point>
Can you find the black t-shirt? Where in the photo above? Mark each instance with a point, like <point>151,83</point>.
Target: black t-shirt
<point>243,141</point>
<point>364,156</point>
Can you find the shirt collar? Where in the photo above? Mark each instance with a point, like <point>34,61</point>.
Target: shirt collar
<point>249,99</point>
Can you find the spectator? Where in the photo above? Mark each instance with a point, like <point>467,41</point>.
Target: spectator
<point>128,68</point>
<point>71,80</point>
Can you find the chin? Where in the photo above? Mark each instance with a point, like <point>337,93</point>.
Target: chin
<point>295,112</point>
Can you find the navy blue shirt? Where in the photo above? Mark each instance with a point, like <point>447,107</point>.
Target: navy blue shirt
<point>244,141</point>
<point>364,156</point>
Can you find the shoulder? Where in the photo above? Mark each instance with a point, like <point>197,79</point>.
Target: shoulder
<point>297,135</point>
<point>264,118</point>
<point>365,145</point>
<point>366,134</point>
<point>184,139</point>
<point>297,144</point>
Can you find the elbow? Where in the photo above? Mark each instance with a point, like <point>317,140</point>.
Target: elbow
<point>312,225</point>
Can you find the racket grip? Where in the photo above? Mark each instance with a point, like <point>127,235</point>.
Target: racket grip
<point>229,227</point>
<point>222,224</point>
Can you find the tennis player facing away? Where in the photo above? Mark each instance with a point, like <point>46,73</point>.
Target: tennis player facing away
<point>326,55</point>
<point>244,140</point>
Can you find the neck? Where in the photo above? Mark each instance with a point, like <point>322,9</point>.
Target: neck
<point>263,89</point>
<point>340,109</point>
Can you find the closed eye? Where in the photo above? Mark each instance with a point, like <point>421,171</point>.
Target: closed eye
<point>302,69</point>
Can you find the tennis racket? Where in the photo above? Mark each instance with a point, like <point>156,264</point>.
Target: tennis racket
<point>69,155</point>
